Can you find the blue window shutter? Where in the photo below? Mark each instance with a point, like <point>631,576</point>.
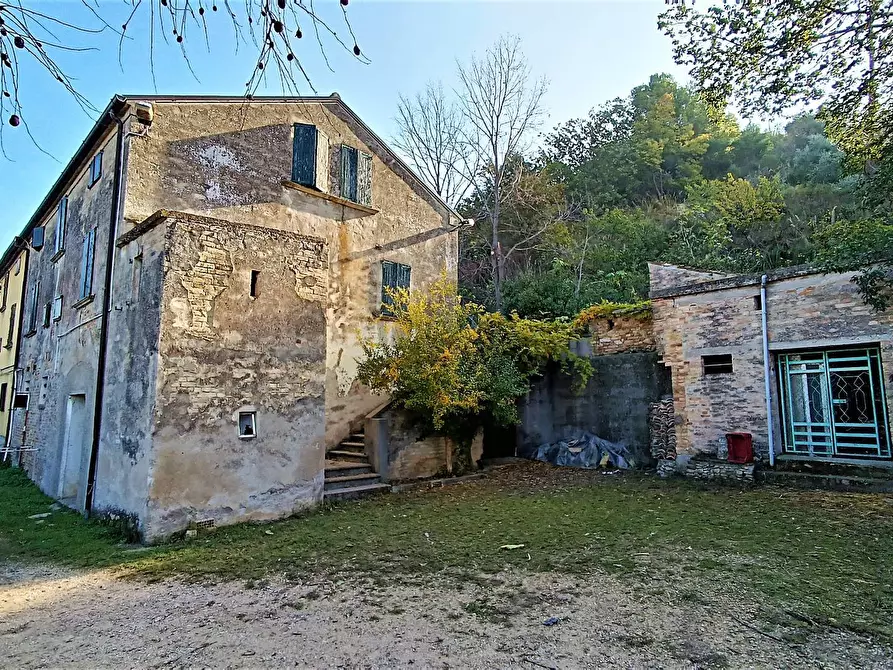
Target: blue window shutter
<point>303,163</point>
<point>61,219</point>
<point>95,169</point>
<point>87,264</point>
<point>348,173</point>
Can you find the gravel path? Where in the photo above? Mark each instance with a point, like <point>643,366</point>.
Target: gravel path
<point>53,618</point>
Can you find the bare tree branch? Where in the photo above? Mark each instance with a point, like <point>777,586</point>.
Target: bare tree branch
<point>274,28</point>
<point>429,134</point>
<point>502,105</point>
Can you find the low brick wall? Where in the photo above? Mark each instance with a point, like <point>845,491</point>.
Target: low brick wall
<point>621,334</point>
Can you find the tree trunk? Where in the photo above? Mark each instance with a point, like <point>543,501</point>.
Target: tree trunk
<point>496,260</point>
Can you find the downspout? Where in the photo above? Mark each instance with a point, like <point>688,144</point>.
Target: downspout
<point>106,309</point>
<point>767,371</point>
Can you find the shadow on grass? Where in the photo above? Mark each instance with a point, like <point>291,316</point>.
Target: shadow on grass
<point>824,556</point>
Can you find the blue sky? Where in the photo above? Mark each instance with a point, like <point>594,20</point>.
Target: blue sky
<point>589,51</point>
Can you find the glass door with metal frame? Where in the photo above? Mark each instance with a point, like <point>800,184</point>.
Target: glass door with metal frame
<point>833,404</point>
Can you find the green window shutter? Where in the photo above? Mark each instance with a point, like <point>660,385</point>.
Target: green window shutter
<point>303,161</point>
<point>403,276</point>
<point>348,173</point>
<point>364,179</point>
<point>388,281</point>
<point>394,276</point>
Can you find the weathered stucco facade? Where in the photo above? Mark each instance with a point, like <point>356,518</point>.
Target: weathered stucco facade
<point>13,269</point>
<point>709,332</point>
<point>236,302</point>
<point>230,161</point>
<point>58,356</point>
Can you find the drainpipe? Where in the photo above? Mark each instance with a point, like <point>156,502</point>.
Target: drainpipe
<point>106,309</point>
<point>767,371</point>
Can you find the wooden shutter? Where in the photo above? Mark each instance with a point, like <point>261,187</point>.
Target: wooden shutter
<point>348,173</point>
<point>303,163</point>
<point>388,281</point>
<point>403,276</point>
<point>61,218</point>
<point>12,326</point>
<point>32,307</point>
<point>87,264</point>
<point>364,179</point>
<point>322,162</point>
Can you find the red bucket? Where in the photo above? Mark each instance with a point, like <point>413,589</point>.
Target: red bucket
<point>740,447</point>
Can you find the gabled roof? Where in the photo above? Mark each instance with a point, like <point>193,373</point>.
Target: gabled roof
<point>334,100</point>
<point>119,102</point>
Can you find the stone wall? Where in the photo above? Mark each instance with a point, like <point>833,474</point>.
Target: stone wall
<point>222,352</point>
<point>614,405</point>
<point>719,470</point>
<point>229,160</point>
<point>722,316</point>
<point>59,360</point>
<point>399,451</point>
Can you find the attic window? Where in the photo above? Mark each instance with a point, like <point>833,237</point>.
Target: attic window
<point>247,425</point>
<point>719,364</point>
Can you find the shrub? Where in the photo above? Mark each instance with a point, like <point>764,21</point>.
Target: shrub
<point>451,363</point>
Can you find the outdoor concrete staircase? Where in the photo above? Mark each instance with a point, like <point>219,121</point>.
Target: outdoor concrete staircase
<point>349,473</point>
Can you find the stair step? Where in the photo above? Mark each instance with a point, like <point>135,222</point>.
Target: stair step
<point>353,456</point>
<point>346,468</point>
<point>353,443</point>
<point>351,481</point>
<point>356,492</point>
<point>351,450</point>
<point>357,437</point>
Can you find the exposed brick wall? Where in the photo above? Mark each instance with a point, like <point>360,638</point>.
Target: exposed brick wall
<point>622,334</point>
<point>805,311</point>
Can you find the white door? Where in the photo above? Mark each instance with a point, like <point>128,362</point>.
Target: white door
<point>75,438</point>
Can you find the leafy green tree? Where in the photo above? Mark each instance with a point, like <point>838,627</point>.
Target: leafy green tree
<point>775,55</point>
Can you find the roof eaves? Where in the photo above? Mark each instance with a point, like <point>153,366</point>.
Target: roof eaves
<point>333,99</point>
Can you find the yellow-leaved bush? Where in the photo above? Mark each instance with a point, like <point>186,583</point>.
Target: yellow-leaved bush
<point>454,365</point>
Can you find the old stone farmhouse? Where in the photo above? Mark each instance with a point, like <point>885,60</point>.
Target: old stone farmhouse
<point>199,279</point>
<point>795,358</point>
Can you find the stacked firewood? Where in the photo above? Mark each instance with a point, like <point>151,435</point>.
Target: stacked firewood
<point>663,429</point>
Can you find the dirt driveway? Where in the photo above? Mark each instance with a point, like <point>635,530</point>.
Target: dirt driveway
<point>50,618</point>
